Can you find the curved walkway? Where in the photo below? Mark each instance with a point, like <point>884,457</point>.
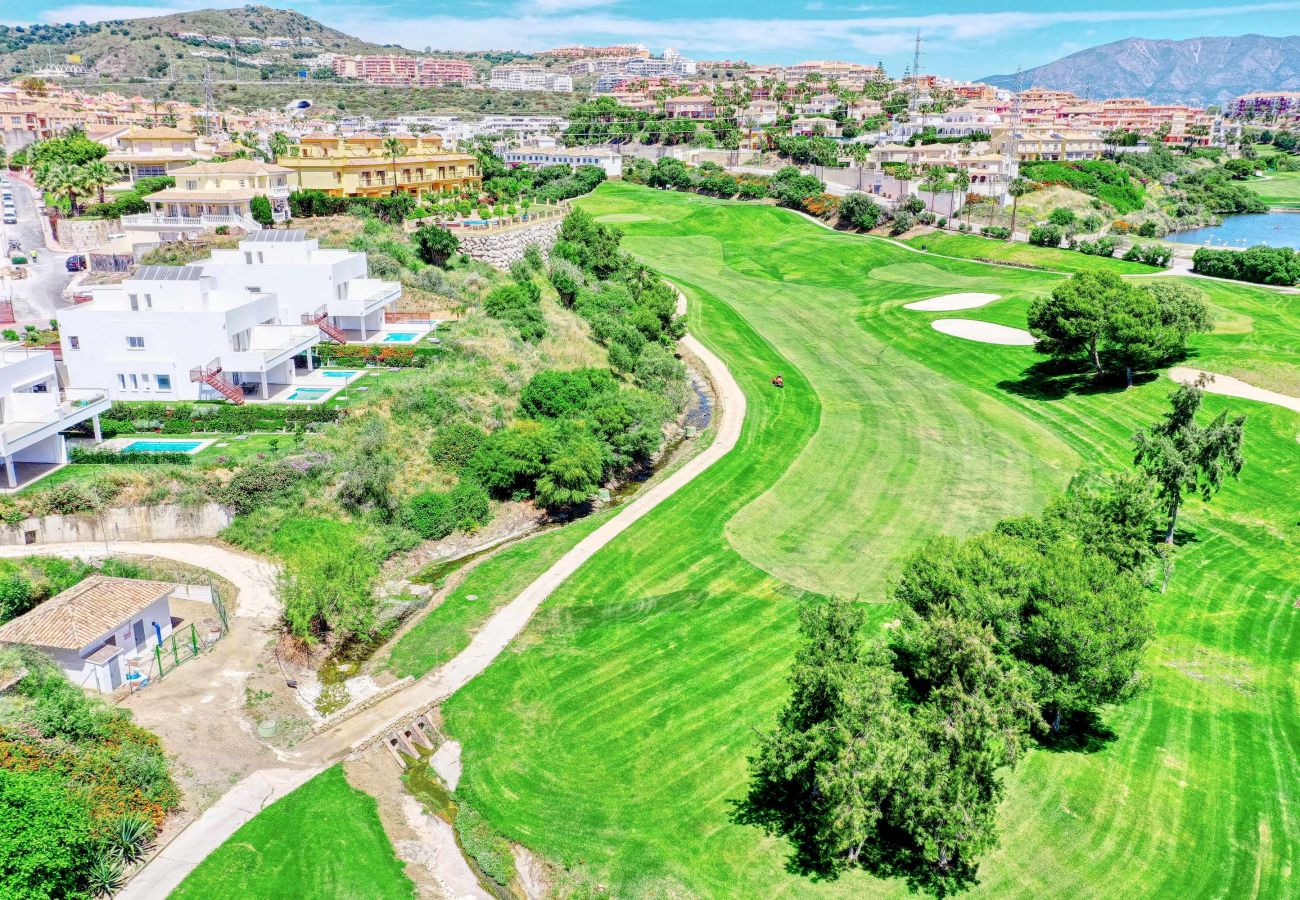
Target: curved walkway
<point>1235,387</point>
<point>252,577</point>
<point>243,801</point>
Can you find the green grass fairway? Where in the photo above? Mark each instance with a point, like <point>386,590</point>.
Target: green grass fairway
<point>321,842</point>
<point>613,736</point>
<point>971,246</point>
<point>1280,189</point>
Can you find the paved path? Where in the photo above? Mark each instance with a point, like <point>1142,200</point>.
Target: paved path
<point>252,577</point>
<point>176,860</point>
<point>1234,387</point>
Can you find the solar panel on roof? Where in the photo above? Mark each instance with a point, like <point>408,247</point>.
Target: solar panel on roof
<point>167,273</point>
<point>288,236</point>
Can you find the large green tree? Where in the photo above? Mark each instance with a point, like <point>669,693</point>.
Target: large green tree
<point>46,844</point>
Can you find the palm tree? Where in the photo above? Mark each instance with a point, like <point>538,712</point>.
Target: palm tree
<point>394,149</point>
<point>961,185</point>
<point>99,175</point>
<point>1017,189</point>
<point>62,178</point>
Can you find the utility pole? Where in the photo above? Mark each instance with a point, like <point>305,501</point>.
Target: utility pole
<point>209,104</point>
<point>916,70</point>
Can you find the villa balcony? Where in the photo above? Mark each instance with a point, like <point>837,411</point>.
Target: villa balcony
<point>61,412</point>
<point>270,346</point>
<point>365,296</point>
<point>156,222</point>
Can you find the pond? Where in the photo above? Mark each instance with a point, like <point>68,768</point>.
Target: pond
<point>1277,229</point>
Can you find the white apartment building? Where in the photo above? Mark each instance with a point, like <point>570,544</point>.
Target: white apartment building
<point>35,411</point>
<point>240,322</point>
<point>530,78</point>
<point>609,160</point>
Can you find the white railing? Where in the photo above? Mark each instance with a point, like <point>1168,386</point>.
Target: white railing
<point>150,220</point>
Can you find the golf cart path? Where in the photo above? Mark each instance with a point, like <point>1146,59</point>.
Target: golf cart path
<point>252,577</point>
<point>243,801</point>
<point>1235,387</point>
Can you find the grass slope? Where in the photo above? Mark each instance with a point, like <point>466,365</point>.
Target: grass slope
<point>615,737</point>
<point>1280,189</point>
<point>970,246</point>
<point>321,842</point>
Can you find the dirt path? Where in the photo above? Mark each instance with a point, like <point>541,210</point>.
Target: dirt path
<point>156,880</point>
<point>252,577</point>
<point>1233,387</point>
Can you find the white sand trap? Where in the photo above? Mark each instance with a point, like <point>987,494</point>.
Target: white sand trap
<point>984,332</point>
<point>1233,387</point>
<point>949,302</point>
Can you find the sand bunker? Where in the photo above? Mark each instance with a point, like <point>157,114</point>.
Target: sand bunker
<point>1232,387</point>
<point>984,332</point>
<point>950,302</point>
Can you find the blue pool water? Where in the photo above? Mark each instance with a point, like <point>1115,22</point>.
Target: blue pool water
<point>1277,229</point>
<point>400,337</point>
<point>341,373</point>
<point>162,446</point>
<point>308,394</point>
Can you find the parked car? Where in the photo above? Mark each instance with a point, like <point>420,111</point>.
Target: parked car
<point>76,263</point>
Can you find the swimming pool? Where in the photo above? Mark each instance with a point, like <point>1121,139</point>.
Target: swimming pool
<point>400,337</point>
<point>341,373</point>
<point>308,393</point>
<point>162,446</point>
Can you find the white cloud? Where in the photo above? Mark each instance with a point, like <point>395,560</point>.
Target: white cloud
<point>546,6</point>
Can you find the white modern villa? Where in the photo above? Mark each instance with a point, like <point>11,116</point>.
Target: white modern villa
<point>35,411</point>
<point>240,323</point>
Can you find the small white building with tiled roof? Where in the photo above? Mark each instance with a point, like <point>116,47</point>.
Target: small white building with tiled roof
<point>97,629</point>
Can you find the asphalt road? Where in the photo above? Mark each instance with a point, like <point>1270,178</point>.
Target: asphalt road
<point>39,296</point>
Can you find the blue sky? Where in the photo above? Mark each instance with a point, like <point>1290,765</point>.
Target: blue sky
<point>963,38</point>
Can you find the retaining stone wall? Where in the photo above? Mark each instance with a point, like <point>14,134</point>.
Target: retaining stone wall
<point>164,522</point>
<point>500,249</point>
<point>80,236</point>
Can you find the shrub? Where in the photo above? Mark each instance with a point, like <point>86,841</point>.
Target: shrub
<point>435,245</point>
<point>518,304</point>
<point>996,231</point>
<point>1045,236</point>
<point>454,445</point>
<point>1103,246</point>
<point>1062,216</point>
<point>566,278</point>
<point>1260,264</point>
<point>1152,255</point>
<point>259,207</point>
<point>554,394</point>
<point>1147,229</point>
<point>902,221</point>
<point>259,484</point>
<point>436,514</point>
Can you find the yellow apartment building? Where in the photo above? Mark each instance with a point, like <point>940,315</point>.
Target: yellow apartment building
<point>146,152</point>
<point>359,166</point>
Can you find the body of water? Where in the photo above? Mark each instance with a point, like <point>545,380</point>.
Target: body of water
<point>1277,229</point>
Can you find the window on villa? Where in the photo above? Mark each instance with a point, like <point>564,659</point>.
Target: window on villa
<point>74,342</point>
<point>135,302</point>
<point>164,382</point>
<point>191,185</point>
<point>135,343</point>
<point>135,383</point>
<point>259,256</point>
<point>148,301</point>
<point>121,381</point>
<point>248,257</point>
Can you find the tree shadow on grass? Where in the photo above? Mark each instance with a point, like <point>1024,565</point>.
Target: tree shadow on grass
<point>1082,732</point>
<point>1051,379</point>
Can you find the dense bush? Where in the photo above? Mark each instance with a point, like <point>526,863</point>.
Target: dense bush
<point>1260,264</point>
<point>374,355</point>
<point>1062,216</point>
<point>310,203</point>
<point>260,484</point>
<point>518,304</point>
<point>436,514</point>
<point>997,232</point>
<point>435,245</point>
<point>454,445</point>
<point>1103,246</point>
<point>554,394</point>
<point>1151,254</point>
<point>792,188</point>
<point>1045,236</point>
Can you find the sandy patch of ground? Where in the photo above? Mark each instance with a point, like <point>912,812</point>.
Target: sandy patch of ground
<point>1233,387</point>
<point>984,332</point>
<point>446,762</point>
<point>948,302</point>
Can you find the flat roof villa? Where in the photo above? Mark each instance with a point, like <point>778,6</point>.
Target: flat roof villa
<point>240,323</point>
<point>35,411</point>
<point>97,631</point>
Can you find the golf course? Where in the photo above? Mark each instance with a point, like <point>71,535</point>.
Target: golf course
<point>612,737</point>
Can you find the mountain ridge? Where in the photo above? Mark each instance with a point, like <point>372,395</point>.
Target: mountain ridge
<point>1200,71</point>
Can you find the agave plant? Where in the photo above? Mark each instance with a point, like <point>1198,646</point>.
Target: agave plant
<point>130,837</point>
<point>106,875</point>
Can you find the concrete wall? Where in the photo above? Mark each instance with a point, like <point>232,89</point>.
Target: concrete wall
<point>500,249</point>
<point>80,236</point>
<point>164,522</point>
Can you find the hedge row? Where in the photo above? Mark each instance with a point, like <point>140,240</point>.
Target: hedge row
<point>226,418</point>
<point>117,458</point>
<point>374,354</point>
